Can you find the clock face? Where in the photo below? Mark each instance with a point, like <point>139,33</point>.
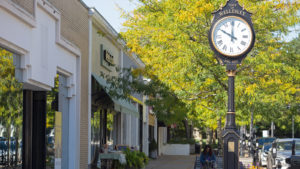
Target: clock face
<point>232,36</point>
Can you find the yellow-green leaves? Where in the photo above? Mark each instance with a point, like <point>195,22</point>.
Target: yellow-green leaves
<point>170,36</point>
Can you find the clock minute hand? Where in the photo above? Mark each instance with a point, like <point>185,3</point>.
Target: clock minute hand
<point>232,31</point>
<point>229,34</point>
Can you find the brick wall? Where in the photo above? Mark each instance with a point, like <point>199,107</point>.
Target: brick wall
<point>74,27</point>
<point>27,5</point>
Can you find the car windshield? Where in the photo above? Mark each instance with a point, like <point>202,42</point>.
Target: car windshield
<point>283,146</point>
<point>262,141</point>
<point>267,147</point>
<point>297,145</point>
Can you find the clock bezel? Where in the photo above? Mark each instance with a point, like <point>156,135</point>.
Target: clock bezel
<point>223,58</point>
<point>213,40</point>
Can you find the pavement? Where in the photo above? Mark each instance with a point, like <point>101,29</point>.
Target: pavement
<point>187,162</point>
<point>172,162</point>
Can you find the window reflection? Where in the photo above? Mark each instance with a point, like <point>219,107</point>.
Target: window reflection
<point>11,107</point>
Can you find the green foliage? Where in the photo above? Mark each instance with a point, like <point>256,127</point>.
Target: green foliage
<point>11,95</point>
<point>52,105</point>
<point>170,37</point>
<point>182,141</point>
<point>134,160</point>
<point>166,105</point>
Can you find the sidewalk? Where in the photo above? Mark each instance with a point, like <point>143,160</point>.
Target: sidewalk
<point>172,162</point>
<point>187,162</point>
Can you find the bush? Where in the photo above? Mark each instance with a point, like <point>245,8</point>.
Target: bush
<point>182,141</point>
<point>134,160</point>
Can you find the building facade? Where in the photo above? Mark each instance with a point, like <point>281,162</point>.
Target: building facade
<point>68,40</point>
<point>48,38</point>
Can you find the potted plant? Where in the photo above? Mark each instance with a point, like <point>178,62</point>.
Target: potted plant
<point>134,160</point>
<point>153,149</point>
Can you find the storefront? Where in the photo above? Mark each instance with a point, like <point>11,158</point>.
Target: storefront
<point>111,118</point>
<point>40,54</point>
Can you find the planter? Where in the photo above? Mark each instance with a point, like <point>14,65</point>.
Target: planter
<point>153,154</point>
<point>176,149</point>
<point>192,148</point>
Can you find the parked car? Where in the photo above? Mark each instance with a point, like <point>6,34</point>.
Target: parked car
<point>281,153</point>
<point>263,154</point>
<point>264,140</point>
<point>295,162</point>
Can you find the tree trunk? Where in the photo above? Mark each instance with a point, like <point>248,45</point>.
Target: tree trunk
<point>186,126</point>
<point>219,133</point>
<point>208,135</point>
<point>214,136</point>
<point>8,145</point>
<point>168,134</point>
<point>17,146</point>
<point>191,131</point>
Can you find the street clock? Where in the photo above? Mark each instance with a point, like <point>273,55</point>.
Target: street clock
<point>231,35</point>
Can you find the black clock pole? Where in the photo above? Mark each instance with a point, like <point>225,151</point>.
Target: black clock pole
<point>232,10</point>
<point>230,134</point>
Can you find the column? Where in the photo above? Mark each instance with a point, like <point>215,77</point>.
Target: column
<point>34,129</point>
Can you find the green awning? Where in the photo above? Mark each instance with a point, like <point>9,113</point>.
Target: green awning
<point>120,105</point>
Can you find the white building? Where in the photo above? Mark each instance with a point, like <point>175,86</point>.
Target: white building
<point>40,53</point>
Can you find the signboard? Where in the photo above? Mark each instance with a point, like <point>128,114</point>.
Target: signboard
<point>265,133</point>
<point>57,142</point>
<point>231,146</point>
<point>106,58</point>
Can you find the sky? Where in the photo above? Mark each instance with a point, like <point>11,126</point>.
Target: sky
<point>109,9</point>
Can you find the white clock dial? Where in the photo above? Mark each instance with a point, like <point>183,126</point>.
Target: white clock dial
<point>232,36</point>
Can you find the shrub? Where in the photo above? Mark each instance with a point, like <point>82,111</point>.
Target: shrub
<point>134,160</point>
<point>182,141</point>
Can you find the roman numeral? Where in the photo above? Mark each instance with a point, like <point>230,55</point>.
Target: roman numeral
<point>231,49</point>
<point>243,29</point>
<point>243,43</point>
<point>225,47</point>
<point>220,42</point>
<point>245,36</point>
<point>239,48</point>
<point>219,36</point>
<point>238,24</point>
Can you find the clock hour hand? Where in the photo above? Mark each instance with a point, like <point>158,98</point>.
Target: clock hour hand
<point>229,34</point>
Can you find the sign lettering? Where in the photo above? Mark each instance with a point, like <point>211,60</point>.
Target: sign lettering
<point>108,57</point>
<point>234,11</point>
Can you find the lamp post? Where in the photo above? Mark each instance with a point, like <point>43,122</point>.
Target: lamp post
<point>231,37</point>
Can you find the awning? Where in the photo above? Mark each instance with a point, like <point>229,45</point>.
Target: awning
<point>120,105</point>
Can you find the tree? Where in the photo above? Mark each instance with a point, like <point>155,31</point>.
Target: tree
<point>170,37</point>
<point>166,105</point>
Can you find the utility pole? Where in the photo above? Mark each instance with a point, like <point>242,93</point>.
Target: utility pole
<point>293,123</point>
